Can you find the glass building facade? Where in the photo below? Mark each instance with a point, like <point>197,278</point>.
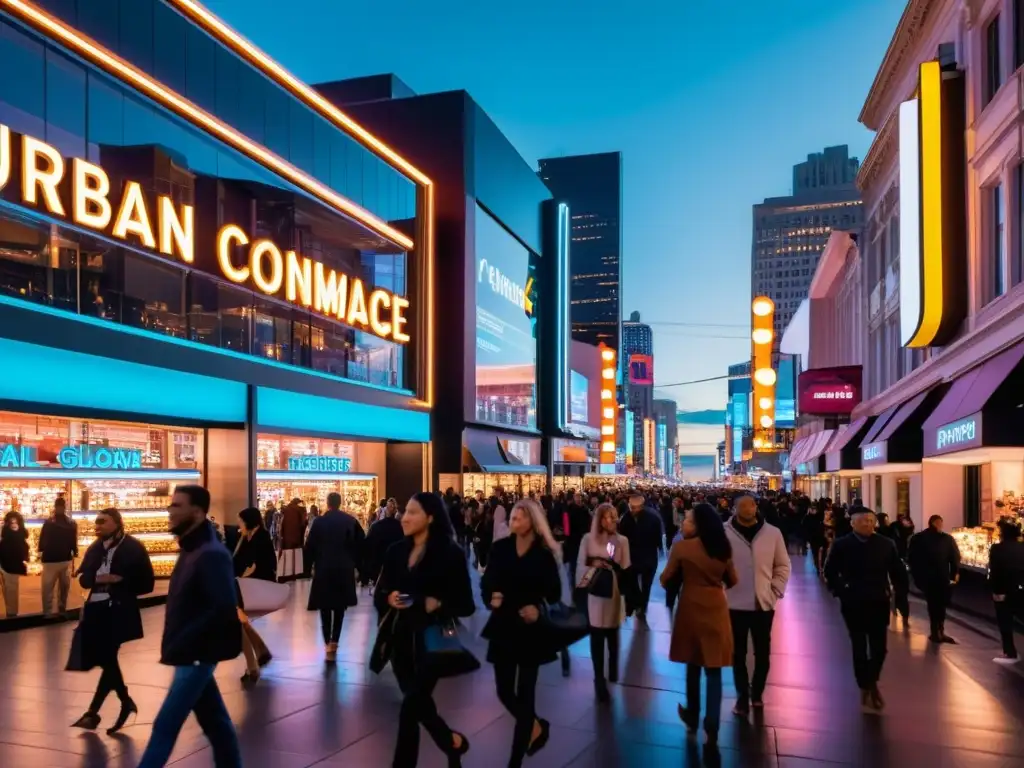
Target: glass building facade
<point>53,96</point>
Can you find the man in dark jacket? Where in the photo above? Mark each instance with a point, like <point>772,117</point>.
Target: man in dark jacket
<point>579,518</point>
<point>642,527</point>
<point>334,547</point>
<point>201,628</point>
<point>382,535</point>
<point>58,548</point>
<point>863,570</point>
<point>934,560</point>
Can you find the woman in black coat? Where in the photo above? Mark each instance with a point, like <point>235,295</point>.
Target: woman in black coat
<point>14,557</point>
<point>334,548</point>
<point>424,580</point>
<point>254,559</point>
<point>521,578</point>
<point>117,570</point>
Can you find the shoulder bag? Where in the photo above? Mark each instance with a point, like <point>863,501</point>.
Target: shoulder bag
<point>443,652</point>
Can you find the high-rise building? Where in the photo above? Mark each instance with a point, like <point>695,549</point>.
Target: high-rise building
<point>638,377</point>
<point>592,187</point>
<point>790,233</point>
<point>667,430</point>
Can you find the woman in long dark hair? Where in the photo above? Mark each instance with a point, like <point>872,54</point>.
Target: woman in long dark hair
<point>254,559</point>
<point>117,570</point>
<point>702,633</point>
<point>521,578</point>
<point>424,580</point>
<point>14,557</point>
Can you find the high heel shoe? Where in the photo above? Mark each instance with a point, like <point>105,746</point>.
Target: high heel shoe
<point>542,738</point>
<point>128,709</point>
<point>690,719</point>
<point>455,753</point>
<point>90,721</point>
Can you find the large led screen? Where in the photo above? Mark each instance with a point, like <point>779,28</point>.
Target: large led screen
<point>506,341</point>
<point>785,394</point>
<point>579,393</point>
<point>830,391</point>
<point>641,369</point>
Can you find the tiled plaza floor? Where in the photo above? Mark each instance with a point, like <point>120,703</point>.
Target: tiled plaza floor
<point>947,707</point>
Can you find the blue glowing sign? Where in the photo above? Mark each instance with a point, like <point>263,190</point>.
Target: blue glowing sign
<point>72,457</point>
<point>340,464</point>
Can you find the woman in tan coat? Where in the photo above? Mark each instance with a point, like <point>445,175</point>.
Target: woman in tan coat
<point>606,551</point>
<point>702,633</point>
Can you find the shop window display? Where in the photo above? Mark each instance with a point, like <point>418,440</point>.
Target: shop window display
<point>92,465</point>
<point>309,469</point>
<point>975,542</point>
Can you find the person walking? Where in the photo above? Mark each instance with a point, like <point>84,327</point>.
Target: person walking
<point>813,525</point>
<point>864,571</point>
<point>383,533</point>
<point>646,534</point>
<point>424,579</point>
<point>521,579</point>
<point>254,559</point>
<point>578,521</point>
<point>762,563</point>
<point>117,571</point>
<point>934,561</point>
<point>292,534</point>
<point>701,632</point>
<point>1006,581</point>
<point>201,629</point>
<point>605,551</point>
<point>14,557</point>
<point>58,548</point>
<point>500,529</point>
<point>334,549</point>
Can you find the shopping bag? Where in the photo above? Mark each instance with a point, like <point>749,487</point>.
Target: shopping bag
<point>261,597</point>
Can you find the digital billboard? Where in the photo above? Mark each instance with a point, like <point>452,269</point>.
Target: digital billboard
<point>785,394</point>
<point>641,369</point>
<point>579,393</point>
<point>506,342</point>
<point>830,391</point>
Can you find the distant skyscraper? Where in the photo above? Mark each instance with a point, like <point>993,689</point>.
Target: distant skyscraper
<point>790,233</point>
<point>592,187</point>
<point>638,376</point>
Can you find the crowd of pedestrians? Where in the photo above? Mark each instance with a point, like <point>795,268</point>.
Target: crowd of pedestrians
<point>554,569</point>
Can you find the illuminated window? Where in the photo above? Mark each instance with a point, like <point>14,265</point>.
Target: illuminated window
<point>996,241</point>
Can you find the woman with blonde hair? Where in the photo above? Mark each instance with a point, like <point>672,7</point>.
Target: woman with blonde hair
<point>604,554</point>
<point>522,577</point>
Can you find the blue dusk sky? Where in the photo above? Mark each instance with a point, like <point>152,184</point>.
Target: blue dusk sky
<point>711,104</point>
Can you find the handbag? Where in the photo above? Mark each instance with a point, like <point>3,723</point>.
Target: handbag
<point>565,624</point>
<point>599,582</point>
<point>443,652</point>
<point>76,656</point>
<point>261,597</point>
<point>384,645</point>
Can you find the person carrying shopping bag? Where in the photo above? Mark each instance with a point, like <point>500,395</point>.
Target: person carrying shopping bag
<point>254,558</point>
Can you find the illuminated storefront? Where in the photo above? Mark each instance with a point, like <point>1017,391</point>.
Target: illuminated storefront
<point>216,280</point>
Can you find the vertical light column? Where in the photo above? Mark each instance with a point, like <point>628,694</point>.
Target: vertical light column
<point>609,409</point>
<point>764,376</point>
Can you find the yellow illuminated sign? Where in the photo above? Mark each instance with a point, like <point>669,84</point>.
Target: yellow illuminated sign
<point>169,229</point>
<point>609,410</point>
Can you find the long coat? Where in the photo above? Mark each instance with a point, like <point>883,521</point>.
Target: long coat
<point>293,526</point>
<point>106,625</point>
<point>334,549</point>
<point>605,612</point>
<point>702,632</point>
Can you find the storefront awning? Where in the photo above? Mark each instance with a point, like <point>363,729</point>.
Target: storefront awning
<point>487,455</point>
<point>806,452</point>
<point>843,451</point>
<point>956,423</point>
<point>898,439</point>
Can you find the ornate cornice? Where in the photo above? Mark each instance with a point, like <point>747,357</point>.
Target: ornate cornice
<point>901,46</point>
<point>881,152</point>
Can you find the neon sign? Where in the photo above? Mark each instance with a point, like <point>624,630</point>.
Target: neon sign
<point>963,432</point>
<point>72,457</point>
<point>81,191</point>
<point>873,452</point>
<point>339,464</point>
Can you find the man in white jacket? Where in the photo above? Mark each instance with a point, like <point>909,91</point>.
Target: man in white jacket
<point>762,564</point>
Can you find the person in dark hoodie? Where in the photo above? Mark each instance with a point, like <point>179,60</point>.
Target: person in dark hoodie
<point>863,570</point>
<point>646,534</point>
<point>201,629</point>
<point>383,533</point>
<point>934,560</point>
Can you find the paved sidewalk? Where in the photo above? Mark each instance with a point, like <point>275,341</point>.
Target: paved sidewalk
<point>948,706</point>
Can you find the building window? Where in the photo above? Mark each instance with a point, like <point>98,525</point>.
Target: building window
<point>993,70</point>
<point>996,241</point>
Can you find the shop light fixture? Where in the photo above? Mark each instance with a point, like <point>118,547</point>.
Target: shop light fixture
<point>765,403</point>
<point>609,413</point>
<point>94,474</point>
<point>767,421</point>
<point>608,430</point>
<point>607,394</point>
<point>608,446</point>
<point>762,336</point>
<point>608,355</point>
<point>763,306</point>
<point>765,376</point>
<point>608,373</point>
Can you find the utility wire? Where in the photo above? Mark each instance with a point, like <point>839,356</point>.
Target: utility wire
<point>695,381</point>
<point>700,325</point>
